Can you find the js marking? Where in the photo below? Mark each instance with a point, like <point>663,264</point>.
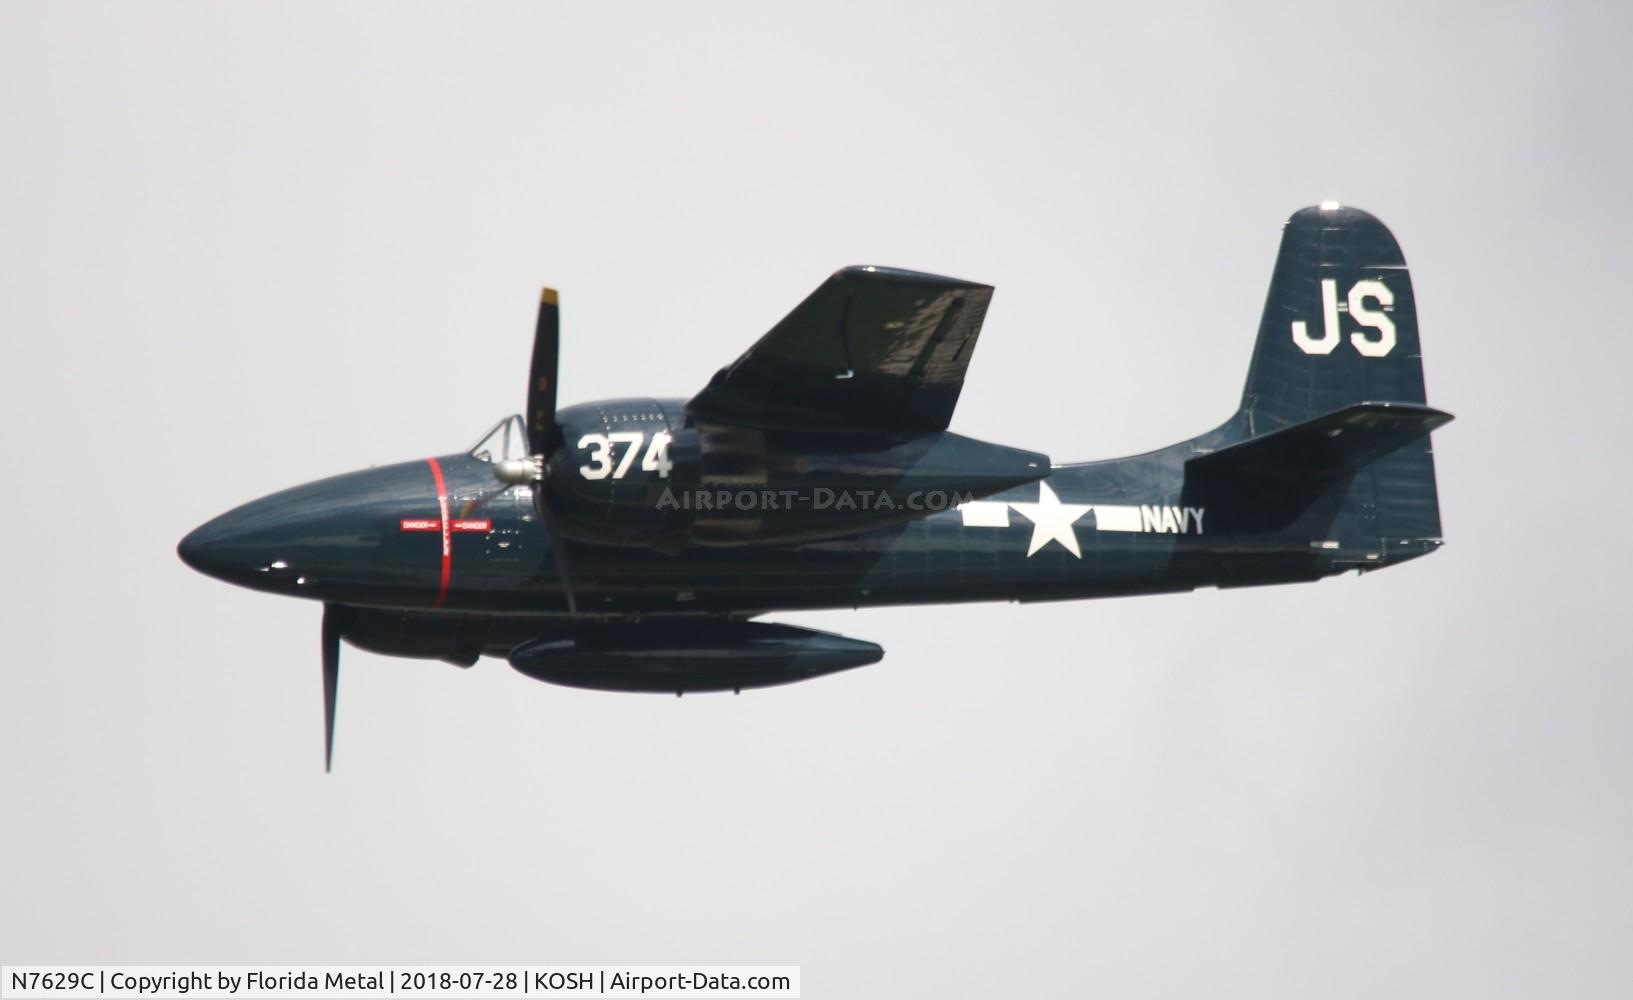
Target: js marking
<point>1356,305</point>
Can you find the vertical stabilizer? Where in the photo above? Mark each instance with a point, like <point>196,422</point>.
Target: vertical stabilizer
<point>1340,328</point>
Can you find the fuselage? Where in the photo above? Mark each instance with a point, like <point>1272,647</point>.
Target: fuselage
<point>441,534</point>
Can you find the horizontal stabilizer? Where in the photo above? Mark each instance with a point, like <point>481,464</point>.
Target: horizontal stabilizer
<point>1322,449</point>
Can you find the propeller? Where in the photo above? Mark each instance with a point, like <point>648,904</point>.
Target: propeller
<point>543,440</point>
<point>543,434</point>
<point>333,623</point>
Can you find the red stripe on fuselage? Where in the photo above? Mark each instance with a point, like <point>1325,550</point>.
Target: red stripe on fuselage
<point>447,537</point>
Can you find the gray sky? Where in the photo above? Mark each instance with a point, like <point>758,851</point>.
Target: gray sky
<point>248,246</point>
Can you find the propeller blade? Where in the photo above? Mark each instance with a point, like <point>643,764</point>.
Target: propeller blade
<point>558,551</point>
<point>542,433</point>
<point>331,679</point>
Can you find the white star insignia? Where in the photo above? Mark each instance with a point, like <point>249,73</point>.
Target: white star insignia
<point>1051,520</point>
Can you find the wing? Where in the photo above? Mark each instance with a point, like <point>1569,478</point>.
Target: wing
<point>874,348</point>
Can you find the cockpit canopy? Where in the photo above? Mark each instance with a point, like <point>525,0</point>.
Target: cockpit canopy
<point>507,439</point>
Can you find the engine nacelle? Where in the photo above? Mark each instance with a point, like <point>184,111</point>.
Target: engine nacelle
<point>682,656</point>
<point>417,635</point>
<point>453,637</point>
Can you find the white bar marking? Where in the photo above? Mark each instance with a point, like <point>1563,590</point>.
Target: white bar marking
<point>985,514</point>
<point>1110,517</point>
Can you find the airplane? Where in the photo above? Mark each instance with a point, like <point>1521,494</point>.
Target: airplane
<point>632,544</point>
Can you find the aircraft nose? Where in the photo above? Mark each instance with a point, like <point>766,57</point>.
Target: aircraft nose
<point>217,547</point>
<point>323,540</point>
<point>253,545</point>
<point>194,548</point>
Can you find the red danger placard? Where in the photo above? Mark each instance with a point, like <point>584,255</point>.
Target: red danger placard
<point>478,525</point>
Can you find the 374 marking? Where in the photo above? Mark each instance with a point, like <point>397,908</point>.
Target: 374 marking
<point>602,464</point>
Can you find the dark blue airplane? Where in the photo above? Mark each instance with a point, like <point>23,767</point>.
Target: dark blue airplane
<point>628,544</point>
